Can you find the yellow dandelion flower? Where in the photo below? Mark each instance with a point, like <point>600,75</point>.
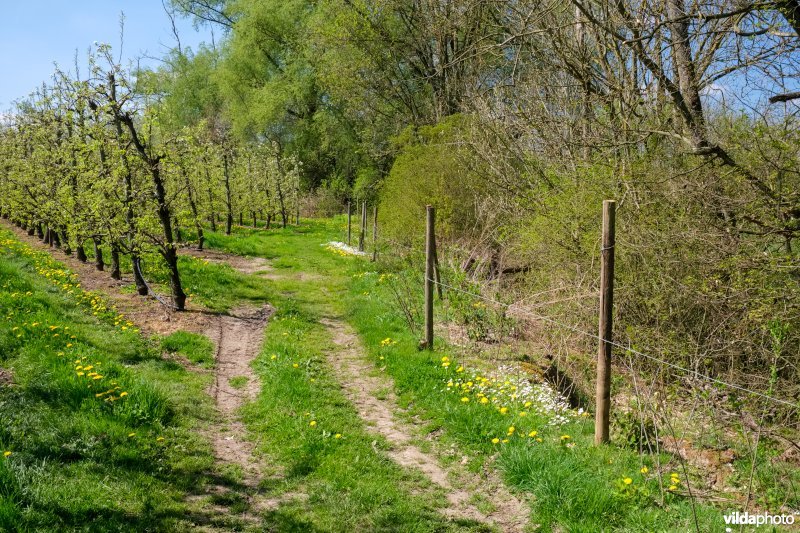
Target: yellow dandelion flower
<point>313,423</point>
<point>503,410</point>
<point>123,394</point>
<point>464,399</point>
<point>295,365</point>
<point>627,481</point>
<point>511,430</point>
<point>532,434</point>
<point>6,453</point>
<point>495,440</point>
<point>504,441</point>
<point>484,400</point>
<point>643,470</point>
<point>672,487</point>
<point>337,436</point>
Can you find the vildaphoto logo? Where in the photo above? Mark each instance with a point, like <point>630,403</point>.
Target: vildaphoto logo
<point>739,519</point>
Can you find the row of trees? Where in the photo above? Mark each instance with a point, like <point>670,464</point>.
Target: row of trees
<point>102,160</point>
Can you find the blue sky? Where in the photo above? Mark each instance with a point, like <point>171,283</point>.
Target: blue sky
<point>36,33</point>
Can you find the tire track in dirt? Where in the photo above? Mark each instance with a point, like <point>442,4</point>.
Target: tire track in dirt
<point>238,338</point>
<point>362,387</point>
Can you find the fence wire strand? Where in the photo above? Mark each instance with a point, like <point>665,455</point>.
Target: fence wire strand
<point>524,310</point>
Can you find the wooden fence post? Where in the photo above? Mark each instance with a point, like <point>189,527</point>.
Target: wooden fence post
<point>603,398</point>
<point>361,234</point>
<point>349,221</point>
<point>375,233</point>
<point>430,251</point>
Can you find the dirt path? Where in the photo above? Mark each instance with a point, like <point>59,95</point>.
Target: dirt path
<point>362,387</point>
<point>238,339</point>
<point>245,265</point>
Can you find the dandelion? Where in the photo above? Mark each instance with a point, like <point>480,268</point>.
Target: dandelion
<point>465,399</point>
<point>503,410</point>
<point>123,394</point>
<point>460,368</point>
<point>511,430</point>
<point>274,357</point>
<point>313,423</point>
<point>672,487</point>
<point>6,453</point>
<point>484,400</point>
<point>495,440</point>
<point>337,436</point>
<point>504,441</point>
<point>643,470</point>
<point>565,438</point>
<point>295,365</point>
<point>532,434</point>
<point>627,481</point>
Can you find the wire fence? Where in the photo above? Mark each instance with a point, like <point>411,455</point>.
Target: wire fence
<point>684,418</point>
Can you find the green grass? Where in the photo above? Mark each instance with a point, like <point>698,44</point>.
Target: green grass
<point>238,382</point>
<point>196,348</point>
<point>301,419</point>
<point>98,425</point>
<point>575,488</point>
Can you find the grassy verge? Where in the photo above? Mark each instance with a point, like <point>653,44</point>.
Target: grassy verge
<point>575,485</point>
<point>95,428</point>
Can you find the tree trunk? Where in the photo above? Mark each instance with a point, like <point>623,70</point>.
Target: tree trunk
<point>195,215</point>
<point>116,273</point>
<point>685,72</point>
<point>98,254</point>
<point>65,242</point>
<point>212,218</point>
<point>80,252</point>
<point>138,277</point>
<point>228,202</point>
<point>168,250</point>
<point>178,235</point>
